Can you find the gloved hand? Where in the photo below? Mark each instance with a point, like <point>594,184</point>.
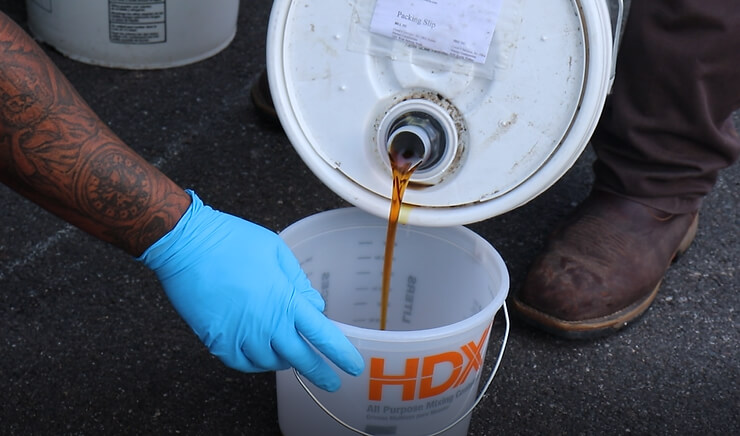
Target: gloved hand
<point>242,291</point>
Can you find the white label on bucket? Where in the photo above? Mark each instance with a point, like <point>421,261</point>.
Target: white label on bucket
<point>459,28</point>
<point>137,21</point>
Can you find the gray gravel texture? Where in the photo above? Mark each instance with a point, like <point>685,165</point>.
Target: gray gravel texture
<point>91,345</point>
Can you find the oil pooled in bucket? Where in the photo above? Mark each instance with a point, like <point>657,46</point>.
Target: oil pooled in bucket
<point>405,157</point>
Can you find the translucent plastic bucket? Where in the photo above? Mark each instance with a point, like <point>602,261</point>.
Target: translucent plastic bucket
<point>422,373</point>
<point>140,34</point>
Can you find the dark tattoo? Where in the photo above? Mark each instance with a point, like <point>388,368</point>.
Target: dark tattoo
<point>113,185</point>
<point>57,152</point>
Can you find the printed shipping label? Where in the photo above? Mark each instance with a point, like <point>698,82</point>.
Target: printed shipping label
<point>137,21</point>
<point>460,28</point>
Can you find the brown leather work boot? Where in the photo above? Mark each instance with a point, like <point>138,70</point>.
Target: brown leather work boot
<point>602,267</point>
<point>262,98</point>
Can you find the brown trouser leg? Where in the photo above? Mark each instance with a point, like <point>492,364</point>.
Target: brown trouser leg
<point>666,130</point>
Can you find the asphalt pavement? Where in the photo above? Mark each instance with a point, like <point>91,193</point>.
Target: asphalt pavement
<point>90,344</point>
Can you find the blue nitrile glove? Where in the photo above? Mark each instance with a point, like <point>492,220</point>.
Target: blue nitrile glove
<point>242,291</point>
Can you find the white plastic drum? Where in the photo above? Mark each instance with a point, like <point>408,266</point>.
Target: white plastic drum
<point>518,121</point>
<point>134,34</point>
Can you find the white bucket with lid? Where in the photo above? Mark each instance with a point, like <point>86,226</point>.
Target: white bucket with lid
<point>134,34</point>
<point>515,123</point>
<point>422,373</point>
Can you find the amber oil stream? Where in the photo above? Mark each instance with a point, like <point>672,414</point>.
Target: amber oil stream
<point>404,160</point>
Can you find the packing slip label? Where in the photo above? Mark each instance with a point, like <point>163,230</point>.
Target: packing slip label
<point>459,28</point>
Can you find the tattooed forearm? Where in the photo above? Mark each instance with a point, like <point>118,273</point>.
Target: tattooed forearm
<point>138,204</point>
<point>57,152</point>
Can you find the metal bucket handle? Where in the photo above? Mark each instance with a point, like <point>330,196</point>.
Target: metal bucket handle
<point>617,38</point>
<point>473,406</point>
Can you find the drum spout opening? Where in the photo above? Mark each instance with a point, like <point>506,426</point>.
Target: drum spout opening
<point>416,139</point>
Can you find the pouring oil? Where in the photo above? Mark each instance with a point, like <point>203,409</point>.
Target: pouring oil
<point>405,154</point>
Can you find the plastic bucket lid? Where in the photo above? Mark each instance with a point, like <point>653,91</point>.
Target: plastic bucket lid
<point>522,118</point>
<point>422,373</point>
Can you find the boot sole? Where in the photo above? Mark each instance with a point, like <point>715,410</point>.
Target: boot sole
<point>603,326</point>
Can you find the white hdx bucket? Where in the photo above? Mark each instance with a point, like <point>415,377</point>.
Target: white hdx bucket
<point>138,34</point>
<point>422,373</point>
